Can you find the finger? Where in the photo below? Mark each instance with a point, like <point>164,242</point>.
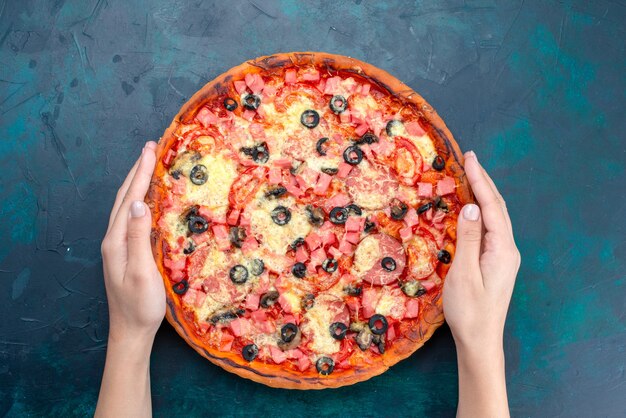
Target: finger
<point>491,211</point>
<point>139,225</point>
<point>469,238</point>
<point>124,187</point>
<point>136,191</point>
<point>500,198</point>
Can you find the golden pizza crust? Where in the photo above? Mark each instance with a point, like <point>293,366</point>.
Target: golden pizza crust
<point>431,317</point>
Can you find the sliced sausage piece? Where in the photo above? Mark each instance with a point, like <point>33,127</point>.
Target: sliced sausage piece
<point>379,259</point>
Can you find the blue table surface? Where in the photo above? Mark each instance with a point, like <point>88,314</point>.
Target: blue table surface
<point>536,88</point>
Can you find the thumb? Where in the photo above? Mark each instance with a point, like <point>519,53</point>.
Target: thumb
<point>138,235</point>
<point>469,236</point>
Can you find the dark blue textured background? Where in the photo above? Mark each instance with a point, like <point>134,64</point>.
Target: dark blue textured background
<point>536,88</point>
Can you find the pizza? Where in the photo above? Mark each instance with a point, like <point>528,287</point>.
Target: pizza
<point>304,218</point>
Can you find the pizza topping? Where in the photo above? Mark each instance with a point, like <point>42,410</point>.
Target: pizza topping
<point>281,215</point>
<point>197,224</point>
<point>299,270</point>
<point>237,235</point>
<point>251,101</point>
<point>364,338</point>
<point>425,207</point>
<point>338,215</point>
<point>353,290</point>
<point>367,138</point>
<point>338,104</point>
<point>308,301</point>
<point>258,267</point>
<point>310,118</point>
<point>398,209</point>
<point>269,299</point>
<point>275,192</point>
<point>394,127</point>
<point>388,264</point>
<point>412,288</point>
<point>250,352</point>
<point>181,287</point>
<point>378,324</point>
<point>338,330</point>
<point>319,146</point>
<point>353,155</point>
<point>288,332</point>
<point>224,317</point>
<point>441,204</point>
<point>230,104</point>
<point>325,365</point>
<point>439,163</point>
<point>330,265</point>
<point>444,256</point>
<point>355,209</point>
<point>238,274</point>
<point>198,174</point>
<point>258,153</point>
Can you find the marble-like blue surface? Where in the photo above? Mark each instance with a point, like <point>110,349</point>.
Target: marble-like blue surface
<point>535,87</point>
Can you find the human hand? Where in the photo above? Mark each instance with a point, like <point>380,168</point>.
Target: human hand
<point>134,286</point>
<point>479,284</point>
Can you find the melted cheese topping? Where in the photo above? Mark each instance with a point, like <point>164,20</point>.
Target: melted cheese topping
<point>318,320</point>
<point>369,195</point>
<point>366,255</point>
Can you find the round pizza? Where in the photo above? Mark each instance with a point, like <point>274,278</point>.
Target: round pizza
<point>304,218</point>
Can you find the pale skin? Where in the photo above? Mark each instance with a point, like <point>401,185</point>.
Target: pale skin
<point>476,296</point>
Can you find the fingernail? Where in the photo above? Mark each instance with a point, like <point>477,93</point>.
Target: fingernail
<point>470,154</point>
<point>471,212</point>
<point>137,209</point>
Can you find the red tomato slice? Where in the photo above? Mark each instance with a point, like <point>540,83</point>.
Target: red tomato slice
<point>407,161</point>
<point>422,255</point>
<point>243,189</point>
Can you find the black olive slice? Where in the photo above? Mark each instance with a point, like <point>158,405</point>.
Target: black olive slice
<point>338,104</point>
<point>269,299</point>
<point>329,171</point>
<point>259,153</point>
<point>319,146</point>
<point>338,330</point>
<point>424,208</point>
<point>249,352</point>
<point>378,324</point>
<point>352,208</point>
<point>197,224</point>
<point>393,126</point>
<point>298,242</point>
<point>288,332</point>
<point>310,118</point>
<point>325,365</point>
<point>338,215</point>
<point>353,290</point>
<point>353,155</point>
<point>398,209</point>
<point>176,174</point>
<point>230,104</point>
<point>444,256</point>
<point>275,192</point>
<point>257,267</point>
<point>199,174</point>
<point>299,270</point>
<point>388,264</point>
<point>439,163</point>
<point>281,215</point>
<point>181,287</point>
<point>330,265</point>
<point>237,235</point>
<point>367,138</point>
<point>251,101</point>
<point>238,274</point>
<point>315,215</point>
<point>308,301</point>
<point>412,288</point>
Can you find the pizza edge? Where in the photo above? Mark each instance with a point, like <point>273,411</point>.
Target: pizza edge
<point>270,374</point>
